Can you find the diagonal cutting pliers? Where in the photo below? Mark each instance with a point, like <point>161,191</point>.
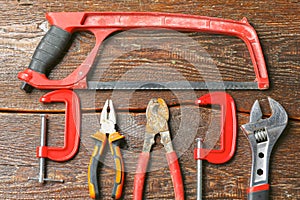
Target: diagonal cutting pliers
<point>157,115</point>
<point>107,132</point>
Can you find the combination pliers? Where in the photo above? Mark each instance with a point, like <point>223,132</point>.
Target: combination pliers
<point>107,132</point>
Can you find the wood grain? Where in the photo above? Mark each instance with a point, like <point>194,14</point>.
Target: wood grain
<point>149,55</point>
<point>279,35</point>
<point>226,181</point>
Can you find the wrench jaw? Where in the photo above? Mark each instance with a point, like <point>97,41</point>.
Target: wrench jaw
<point>255,114</point>
<point>273,125</point>
<point>277,122</point>
<point>262,135</point>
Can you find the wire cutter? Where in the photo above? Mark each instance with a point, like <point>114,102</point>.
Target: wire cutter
<point>114,138</point>
<point>157,115</point>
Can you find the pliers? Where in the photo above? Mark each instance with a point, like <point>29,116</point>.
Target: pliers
<point>107,125</point>
<point>157,115</point>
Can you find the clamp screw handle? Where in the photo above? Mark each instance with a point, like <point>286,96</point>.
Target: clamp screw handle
<point>199,142</point>
<point>41,178</point>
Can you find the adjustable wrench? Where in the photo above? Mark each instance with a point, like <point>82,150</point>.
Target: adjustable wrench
<point>262,135</point>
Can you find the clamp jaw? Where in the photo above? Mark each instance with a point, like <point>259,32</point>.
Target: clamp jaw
<point>228,130</point>
<point>262,135</point>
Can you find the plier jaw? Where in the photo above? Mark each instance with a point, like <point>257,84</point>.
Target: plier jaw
<point>108,120</point>
<point>157,115</point>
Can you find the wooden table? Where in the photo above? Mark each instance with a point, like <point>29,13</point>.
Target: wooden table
<point>22,25</point>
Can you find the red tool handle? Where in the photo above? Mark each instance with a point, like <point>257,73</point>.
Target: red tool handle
<point>175,175</point>
<point>259,192</point>
<point>140,174</point>
<point>105,23</point>
<point>139,178</point>
<point>72,126</point>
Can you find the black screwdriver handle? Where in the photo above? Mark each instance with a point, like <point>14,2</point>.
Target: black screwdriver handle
<point>48,53</point>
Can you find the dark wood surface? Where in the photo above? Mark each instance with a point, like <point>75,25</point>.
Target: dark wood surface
<point>22,25</point>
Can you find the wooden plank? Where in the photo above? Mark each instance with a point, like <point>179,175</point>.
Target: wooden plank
<point>24,29</point>
<point>226,181</point>
<point>22,25</point>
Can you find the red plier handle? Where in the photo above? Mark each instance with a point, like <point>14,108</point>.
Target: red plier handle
<point>139,178</point>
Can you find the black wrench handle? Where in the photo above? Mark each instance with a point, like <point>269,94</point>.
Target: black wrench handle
<point>48,52</point>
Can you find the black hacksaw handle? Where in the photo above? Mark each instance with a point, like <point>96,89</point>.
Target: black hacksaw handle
<point>48,53</point>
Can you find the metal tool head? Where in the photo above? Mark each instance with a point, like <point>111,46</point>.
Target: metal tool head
<point>255,114</point>
<point>108,120</point>
<point>262,135</point>
<point>157,114</point>
<point>273,125</point>
<point>157,106</point>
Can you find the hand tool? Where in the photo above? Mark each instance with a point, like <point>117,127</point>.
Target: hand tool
<point>157,115</point>
<point>72,130</point>
<point>228,130</point>
<point>102,24</point>
<point>228,134</point>
<point>72,126</point>
<point>262,135</point>
<point>107,123</point>
<point>41,178</point>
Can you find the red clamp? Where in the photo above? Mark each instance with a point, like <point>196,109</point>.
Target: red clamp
<point>102,24</point>
<point>228,128</point>
<point>72,126</point>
